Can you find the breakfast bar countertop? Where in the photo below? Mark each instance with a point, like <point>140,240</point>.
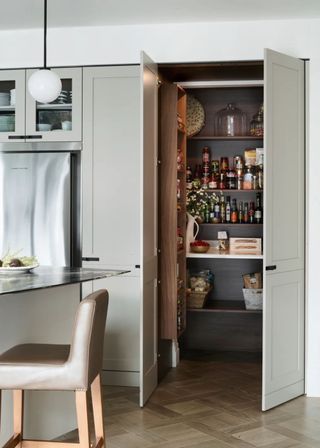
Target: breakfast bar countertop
<point>50,276</point>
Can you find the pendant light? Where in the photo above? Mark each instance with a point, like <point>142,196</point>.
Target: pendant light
<point>44,85</point>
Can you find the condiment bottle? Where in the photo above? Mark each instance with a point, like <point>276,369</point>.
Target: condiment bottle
<point>234,212</point>
<point>247,179</point>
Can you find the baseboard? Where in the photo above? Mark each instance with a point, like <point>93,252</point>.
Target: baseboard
<point>117,378</point>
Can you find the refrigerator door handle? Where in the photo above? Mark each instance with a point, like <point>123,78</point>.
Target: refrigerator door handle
<point>16,137</point>
<point>90,259</point>
<point>34,136</point>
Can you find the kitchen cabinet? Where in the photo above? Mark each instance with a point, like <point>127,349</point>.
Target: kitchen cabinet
<point>120,213</point>
<point>23,119</point>
<point>278,82</point>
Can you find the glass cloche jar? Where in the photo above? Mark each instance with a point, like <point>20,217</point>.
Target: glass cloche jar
<point>256,124</point>
<point>230,122</point>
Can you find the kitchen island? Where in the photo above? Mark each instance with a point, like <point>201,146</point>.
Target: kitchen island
<point>40,306</point>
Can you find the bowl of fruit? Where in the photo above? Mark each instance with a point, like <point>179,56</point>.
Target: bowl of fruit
<point>12,263</point>
<point>199,247</point>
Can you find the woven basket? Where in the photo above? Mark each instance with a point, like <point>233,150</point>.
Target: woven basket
<point>197,299</point>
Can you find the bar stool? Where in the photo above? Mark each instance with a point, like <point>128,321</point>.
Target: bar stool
<point>74,367</point>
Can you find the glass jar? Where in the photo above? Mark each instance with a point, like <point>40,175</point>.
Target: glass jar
<point>256,124</point>
<point>230,122</point>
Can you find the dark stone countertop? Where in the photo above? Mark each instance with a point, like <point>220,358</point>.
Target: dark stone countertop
<point>49,276</point>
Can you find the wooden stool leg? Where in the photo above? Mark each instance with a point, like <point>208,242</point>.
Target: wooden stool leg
<point>82,417</point>
<point>98,410</point>
<point>18,396</point>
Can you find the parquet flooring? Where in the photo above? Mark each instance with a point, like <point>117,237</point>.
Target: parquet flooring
<point>209,402</point>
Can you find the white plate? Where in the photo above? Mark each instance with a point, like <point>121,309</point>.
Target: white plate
<point>18,270</point>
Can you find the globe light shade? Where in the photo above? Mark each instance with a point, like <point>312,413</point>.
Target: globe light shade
<point>44,86</point>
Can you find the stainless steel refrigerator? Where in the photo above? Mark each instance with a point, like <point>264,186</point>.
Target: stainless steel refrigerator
<point>40,204</point>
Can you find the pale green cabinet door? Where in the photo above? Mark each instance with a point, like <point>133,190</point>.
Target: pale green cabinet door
<point>284,234</point>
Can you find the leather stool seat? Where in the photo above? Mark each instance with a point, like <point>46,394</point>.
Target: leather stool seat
<point>74,367</point>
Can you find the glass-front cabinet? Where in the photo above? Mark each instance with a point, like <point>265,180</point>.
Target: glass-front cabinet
<point>24,119</point>
<point>61,119</point>
<point>12,104</point>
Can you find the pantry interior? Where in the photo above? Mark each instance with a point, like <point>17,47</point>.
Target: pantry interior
<point>223,324</point>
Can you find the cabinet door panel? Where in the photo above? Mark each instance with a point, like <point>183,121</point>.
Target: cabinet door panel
<point>283,317</point>
<point>12,105</point>
<point>111,172</point>
<point>149,230</point>
<point>64,115</point>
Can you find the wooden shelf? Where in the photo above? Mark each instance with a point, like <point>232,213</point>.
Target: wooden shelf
<point>225,306</point>
<point>214,137</point>
<point>215,253</point>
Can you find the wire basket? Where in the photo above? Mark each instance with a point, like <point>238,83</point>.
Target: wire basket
<point>197,299</point>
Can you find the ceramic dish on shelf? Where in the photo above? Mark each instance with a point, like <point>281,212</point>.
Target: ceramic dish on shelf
<point>18,269</point>
<point>195,116</point>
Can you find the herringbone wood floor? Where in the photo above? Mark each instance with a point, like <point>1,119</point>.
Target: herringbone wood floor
<point>209,402</point>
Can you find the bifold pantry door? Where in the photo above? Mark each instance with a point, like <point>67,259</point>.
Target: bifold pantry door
<point>149,235</point>
<point>284,236</point>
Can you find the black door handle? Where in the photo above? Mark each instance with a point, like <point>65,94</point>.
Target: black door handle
<point>16,137</point>
<point>34,136</point>
<point>90,259</point>
<point>273,267</point>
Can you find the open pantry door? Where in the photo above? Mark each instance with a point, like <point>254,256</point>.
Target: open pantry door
<point>149,228</point>
<point>284,295</point>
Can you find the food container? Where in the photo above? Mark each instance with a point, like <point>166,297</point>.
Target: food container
<point>253,298</point>
<point>230,121</point>
<point>199,248</point>
<point>245,245</point>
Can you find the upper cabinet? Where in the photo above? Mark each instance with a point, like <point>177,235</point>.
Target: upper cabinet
<point>24,119</point>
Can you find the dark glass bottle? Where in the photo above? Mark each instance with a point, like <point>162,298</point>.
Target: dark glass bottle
<point>251,213</point>
<point>241,214</point>
<point>222,209</point>
<point>246,213</point>
<point>258,210</point>
<point>234,212</point>
<point>228,210</point>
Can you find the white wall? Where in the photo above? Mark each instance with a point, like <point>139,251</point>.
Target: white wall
<point>199,42</point>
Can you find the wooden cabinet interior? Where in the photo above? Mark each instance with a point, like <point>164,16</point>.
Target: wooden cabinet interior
<point>224,315</point>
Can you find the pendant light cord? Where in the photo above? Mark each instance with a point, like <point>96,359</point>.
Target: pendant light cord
<point>45,36</point>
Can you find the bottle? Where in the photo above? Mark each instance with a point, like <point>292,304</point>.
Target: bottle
<point>260,177</point>
<point>251,213</point>
<point>231,179</point>
<point>228,210</point>
<point>222,209</point>
<point>224,164</point>
<point>246,213</point>
<point>254,182</point>
<point>222,181</point>
<point>206,155</point>
<point>188,178</point>
<point>258,210</point>
<point>234,212</point>
<point>247,179</point>
<point>212,210</point>
<point>239,179</point>
<point>216,218</point>
<point>196,178</point>
<point>207,214</point>
<point>213,182</point>
<point>205,175</point>
<point>240,214</point>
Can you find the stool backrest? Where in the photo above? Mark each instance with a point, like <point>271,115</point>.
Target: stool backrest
<point>87,343</point>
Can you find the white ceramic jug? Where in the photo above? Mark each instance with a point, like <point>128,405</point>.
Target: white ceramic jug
<point>192,232</point>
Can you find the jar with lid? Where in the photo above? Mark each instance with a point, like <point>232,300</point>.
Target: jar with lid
<point>256,124</point>
<point>230,122</point>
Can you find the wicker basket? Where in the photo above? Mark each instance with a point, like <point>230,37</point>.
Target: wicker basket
<point>197,299</point>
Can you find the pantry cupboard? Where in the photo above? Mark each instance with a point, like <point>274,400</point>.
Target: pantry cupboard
<point>225,324</point>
